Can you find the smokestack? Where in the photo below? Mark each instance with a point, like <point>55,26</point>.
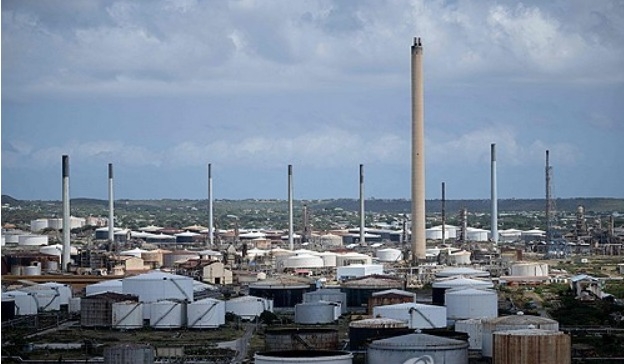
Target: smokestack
<point>464,225</point>
<point>210,208</point>
<point>494,197</point>
<point>66,218</point>
<point>443,214</point>
<point>362,220</point>
<point>291,243</point>
<point>111,211</point>
<point>418,154</point>
<point>548,199</point>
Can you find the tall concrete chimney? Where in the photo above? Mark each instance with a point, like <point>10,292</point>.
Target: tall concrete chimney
<point>210,208</point>
<point>418,154</point>
<point>291,242</point>
<point>111,210</point>
<point>494,197</point>
<point>362,217</point>
<point>443,213</point>
<point>66,218</point>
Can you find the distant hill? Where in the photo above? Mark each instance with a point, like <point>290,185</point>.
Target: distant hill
<point>372,205</point>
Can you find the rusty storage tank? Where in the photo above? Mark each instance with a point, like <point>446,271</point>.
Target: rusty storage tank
<point>129,354</point>
<point>304,356</point>
<point>285,291</point>
<point>97,310</point>
<point>362,332</point>
<point>513,322</point>
<point>417,348</point>
<point>531,346</point>
<point>301,339</point>
<point>359,290</point>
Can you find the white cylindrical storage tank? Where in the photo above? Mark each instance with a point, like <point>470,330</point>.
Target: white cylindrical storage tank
<point>474,329</point>
<point>329,259</point>
<point>389,255</point>
<point>51,266</point>
<point>473,234</point>
<point>11,238</point>
<point>248,307</point>
<point>417,316</point>
<point>38,225</point>
<point>114,285</point>
<point>25,303</point>
<point>468,303</point>
<point>440,286</point>
<point>47,300</point>
<point>156,285</point>
<point>513,322</point>
<point>205,314</point>
<point>417,348</point>
<point>129,354</point>
<point>32,270</point>
<point>327,294</point>
<point>312,313</point>
<point>304,356</point>
<point>32,240</point>
<point>167,314</point>
<point>127,315</point>
<point>64,290</point>
<point>303,261</point>
<point>435,232</point>
<point>532,269</point>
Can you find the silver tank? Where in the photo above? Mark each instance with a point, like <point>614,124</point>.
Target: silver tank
<point>417,349</point>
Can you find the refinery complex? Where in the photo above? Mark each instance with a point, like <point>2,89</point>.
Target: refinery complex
<point>418,290</point>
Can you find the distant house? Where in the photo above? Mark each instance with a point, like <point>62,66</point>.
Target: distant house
<point>216,273</point>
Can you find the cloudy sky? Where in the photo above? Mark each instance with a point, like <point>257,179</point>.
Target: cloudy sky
<point>162,88</point>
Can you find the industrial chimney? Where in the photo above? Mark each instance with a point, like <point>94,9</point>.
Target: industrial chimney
<point>362,217</point>
<point>291,242</point>
<point>210,208</point>
<point>494,197</point>
<point>66,218</point>
<point>111,211</point>
<point>418,154</point>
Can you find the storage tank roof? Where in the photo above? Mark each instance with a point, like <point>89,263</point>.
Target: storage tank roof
<point>419,341</point>
<point>156,275</point>
<point>449,272</point>
<point>282,282</point>
<point>394,291</point>
<point>373,281</point>
<point>379,323</point>
<point>460,281</point>
<point>528,332</point>
<point>470,292</point>
<point>247,299</point>
<point>521,320</point>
